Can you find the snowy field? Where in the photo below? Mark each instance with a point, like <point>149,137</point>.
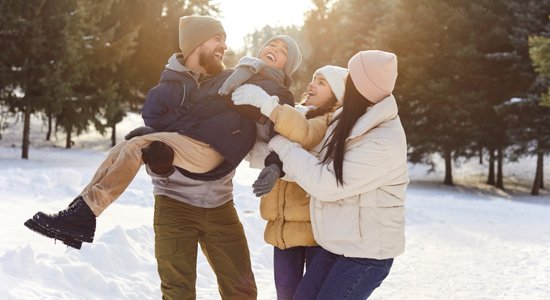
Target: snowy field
<point>463,242</point>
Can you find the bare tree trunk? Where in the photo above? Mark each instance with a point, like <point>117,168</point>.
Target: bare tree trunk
<point>499,183</point>
<point>49,133</point>
<point>538,175</point>
<point>68,141</point>
<point>491,177</point>
<point>26,132</point>
<point>448,168</point>
<point>480,155</point>
<point>113,135</point>
<point>542,171</point>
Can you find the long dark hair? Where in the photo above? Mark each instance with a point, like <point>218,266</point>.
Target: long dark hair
<point>355,105</point>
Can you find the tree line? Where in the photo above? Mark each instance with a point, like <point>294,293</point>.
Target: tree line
<point>82,63</point>
<point>473,75</point>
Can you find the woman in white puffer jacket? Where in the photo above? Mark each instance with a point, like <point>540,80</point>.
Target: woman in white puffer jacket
<point>357,184</point>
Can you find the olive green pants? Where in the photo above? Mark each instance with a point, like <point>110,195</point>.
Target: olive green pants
<point>179,227</point>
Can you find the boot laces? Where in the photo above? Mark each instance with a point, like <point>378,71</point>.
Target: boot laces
<point>69,210</point>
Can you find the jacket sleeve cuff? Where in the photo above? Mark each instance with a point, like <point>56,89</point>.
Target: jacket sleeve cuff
<point>273,159</point>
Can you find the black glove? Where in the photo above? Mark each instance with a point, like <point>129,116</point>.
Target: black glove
<point>273,158</point>
<point>143,130</point>
<point>159,157</point>
<point>266,180</point>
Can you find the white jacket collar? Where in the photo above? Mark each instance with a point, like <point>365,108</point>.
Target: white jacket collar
<point>377,114</point>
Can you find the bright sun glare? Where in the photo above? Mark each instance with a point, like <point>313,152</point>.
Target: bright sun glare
<point>241,17</point>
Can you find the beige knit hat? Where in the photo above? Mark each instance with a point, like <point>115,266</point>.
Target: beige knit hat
<point>195,30</point>
<point>336,78</point>
<point>373,73</point>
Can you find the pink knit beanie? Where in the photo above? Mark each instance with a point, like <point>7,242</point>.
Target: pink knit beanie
<point>373,73</point>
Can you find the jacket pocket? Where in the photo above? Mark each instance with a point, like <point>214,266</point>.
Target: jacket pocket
<point>383,230</point>
<point>340,222</point>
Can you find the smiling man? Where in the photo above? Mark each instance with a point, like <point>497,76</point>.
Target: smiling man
<point>191,145</point>
<point>188,210</point>
<point>191,127</point>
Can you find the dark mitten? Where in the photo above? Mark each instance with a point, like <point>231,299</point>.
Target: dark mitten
<point>273,158</point>
<point>266,180</point>
<point>159,158</point>
<point>143,130</point>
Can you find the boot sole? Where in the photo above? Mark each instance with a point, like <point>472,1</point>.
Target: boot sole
<point>67,240</point>
<point>64,232</point>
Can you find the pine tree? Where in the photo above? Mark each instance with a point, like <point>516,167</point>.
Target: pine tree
<point>8,46</point>
<point>434,90</point>
<point>496,78</point>
<point>77,61</point>
<point>334,31</point>
<point>114,86</point>
<point>539,52</point>
<point>352,25</point>
<point>82,90</point>
<point>530,18</point>
<point>529,128</point>
<point>529,119</point>
<point>32,48</point>
<point>157,38</point>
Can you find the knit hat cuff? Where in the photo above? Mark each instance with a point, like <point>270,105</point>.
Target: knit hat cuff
<point>336,78</point>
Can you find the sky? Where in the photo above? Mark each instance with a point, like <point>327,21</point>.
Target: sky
<point>241,17</point>
<point>464,242</point>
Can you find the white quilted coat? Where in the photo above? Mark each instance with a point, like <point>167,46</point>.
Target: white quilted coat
<point>365,216</point>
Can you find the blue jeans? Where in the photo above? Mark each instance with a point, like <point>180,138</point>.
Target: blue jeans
<point>336,277</point>
<point>288,267</point>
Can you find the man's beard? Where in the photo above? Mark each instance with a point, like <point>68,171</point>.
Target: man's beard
<point>210,63</point>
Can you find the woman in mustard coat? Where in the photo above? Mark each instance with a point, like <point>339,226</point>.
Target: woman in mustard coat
<point>286,207</point>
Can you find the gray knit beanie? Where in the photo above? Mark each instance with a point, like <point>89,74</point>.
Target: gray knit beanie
<point>294,56</point>
<point>195,30</point>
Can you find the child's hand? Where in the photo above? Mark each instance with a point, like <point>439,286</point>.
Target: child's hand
<point>236,79</point>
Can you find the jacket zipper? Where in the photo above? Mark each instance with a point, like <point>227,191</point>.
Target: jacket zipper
<point>196,81</point>
<point>283,213</point>
<point>184,94</point>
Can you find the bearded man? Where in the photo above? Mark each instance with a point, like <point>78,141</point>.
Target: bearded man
<point>194,203</point>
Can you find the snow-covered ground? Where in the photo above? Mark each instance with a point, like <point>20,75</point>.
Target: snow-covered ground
<point>463,242</point>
